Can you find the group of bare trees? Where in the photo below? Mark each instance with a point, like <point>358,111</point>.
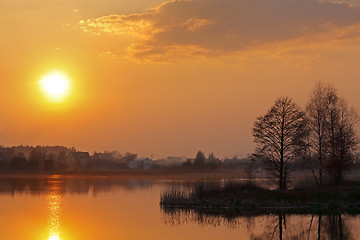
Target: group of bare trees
<point>323,135</point>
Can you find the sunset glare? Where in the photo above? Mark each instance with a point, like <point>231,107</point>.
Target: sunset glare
<point>55,85</point>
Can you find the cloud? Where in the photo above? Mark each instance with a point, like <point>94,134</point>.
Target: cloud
<point>135,24</point>
<point>213,27</point>
<point>109,55</point>
<point>351,2</point>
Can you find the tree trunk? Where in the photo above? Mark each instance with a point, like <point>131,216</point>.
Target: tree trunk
<point>339,176</point>
<point>281,176</point>
<point>320,159</point>
<point>281,173</point>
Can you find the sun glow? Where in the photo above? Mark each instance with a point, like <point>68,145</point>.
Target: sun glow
<point>55,85</point>
<point>54,238</point>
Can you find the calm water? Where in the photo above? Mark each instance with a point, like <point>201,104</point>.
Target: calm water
<point>58,208</point>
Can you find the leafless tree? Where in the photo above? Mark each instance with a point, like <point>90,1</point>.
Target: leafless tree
<point>343,140</point>
<point>332,139</point>
<point>280,135</point>
<point>320,104</point>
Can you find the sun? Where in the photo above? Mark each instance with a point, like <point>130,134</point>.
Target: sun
<point>55,85</point>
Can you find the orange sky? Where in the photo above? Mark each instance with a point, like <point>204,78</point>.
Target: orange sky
<point>168,77</point>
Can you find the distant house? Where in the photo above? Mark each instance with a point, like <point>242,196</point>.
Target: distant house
<point>134,164</point>
<point>78,160</point>
<point>108,161</point>
<point>141,163</point>
<point>159,163</point>
<point>147,164</point>
<point>175,161</point>
<point>103,156</point>
<point>81,155</point>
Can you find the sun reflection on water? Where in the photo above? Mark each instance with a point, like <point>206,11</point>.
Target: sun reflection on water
<point>54,206</point>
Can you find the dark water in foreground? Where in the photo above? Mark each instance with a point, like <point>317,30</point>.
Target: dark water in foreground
<point>96,208</point>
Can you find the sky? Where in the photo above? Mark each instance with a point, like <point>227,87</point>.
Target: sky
<point>168,78</point>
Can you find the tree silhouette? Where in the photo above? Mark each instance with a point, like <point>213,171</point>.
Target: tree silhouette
<point>18,163</point>
<point>61,160</point>
<point>279,135</point>
<point>35,158</point>
<point>49,163</point>
<point>199,159</point>
<point>319,109</point>
<point>332,139</point>
<point>212,161</point>
<point>128,157</point>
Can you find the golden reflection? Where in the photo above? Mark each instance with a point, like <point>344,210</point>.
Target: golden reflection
<point>54,206</point>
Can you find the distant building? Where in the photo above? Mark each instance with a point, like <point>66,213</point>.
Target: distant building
<point>103,156</point>
<point>134,164</point>
<point>175,161</point>
<point>147,164</point>
<point>81,155</point>
<point>141,163</point>
<point>78,160</point>
<point>108,161</point>
<point>159,163</point>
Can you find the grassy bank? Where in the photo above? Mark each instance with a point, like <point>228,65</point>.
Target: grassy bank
<point>248,199</point>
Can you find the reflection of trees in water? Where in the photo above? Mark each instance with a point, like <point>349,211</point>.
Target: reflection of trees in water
<point>277,226</point>
<point>308,227</point>
<point>39,185</point>
<point>336,227</point>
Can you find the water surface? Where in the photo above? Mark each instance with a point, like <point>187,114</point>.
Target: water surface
<point>96,208</point>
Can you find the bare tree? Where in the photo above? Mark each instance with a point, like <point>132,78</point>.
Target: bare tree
<point>332,140</point>
<point>321,103</point>
<point>344,140</point>
<point>280,135</point>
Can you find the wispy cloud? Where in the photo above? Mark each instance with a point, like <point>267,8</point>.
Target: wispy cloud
<point>214,27</point>
<point>109,54</point>
<point>136,24</point>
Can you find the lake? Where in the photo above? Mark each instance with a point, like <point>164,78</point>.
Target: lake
<point>109,207</point>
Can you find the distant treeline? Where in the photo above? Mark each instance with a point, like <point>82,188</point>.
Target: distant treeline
<point>59,158</point>
<point>213,162</point>
<point>30,158</point>
<point>49,158</point>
